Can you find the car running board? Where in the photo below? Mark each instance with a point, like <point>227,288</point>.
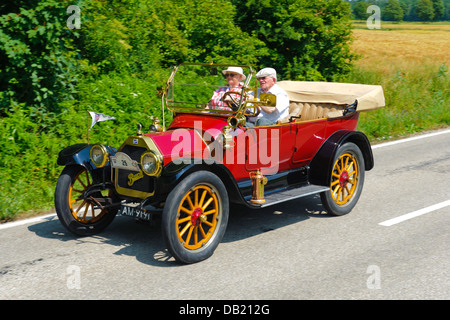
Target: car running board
<point>290,194</point>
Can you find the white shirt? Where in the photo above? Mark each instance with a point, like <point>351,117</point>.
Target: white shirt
<point>282,105</point>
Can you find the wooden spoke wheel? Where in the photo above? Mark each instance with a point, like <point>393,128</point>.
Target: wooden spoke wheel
<point>80,214</point>
<point>347,179</point>
<point>195,217</point>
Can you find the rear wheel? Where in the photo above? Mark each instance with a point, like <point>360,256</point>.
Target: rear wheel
<point>80,215</point>
<point>195,217</point>
<point>347,180</point>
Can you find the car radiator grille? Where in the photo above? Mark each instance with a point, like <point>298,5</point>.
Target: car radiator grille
<point>146,183</point>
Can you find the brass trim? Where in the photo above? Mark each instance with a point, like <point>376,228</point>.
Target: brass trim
<point>227,137</point>
<point>258,183</point>
<point>237,120</point>
<point>268,99</point>
<point>130,192</point>
<point>158,160</point>
<point>143,142</point>
<point>105,155</point>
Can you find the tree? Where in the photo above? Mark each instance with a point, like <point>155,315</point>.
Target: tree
<point>360,10</point>
<point>438,6</point>
<point>38,64</point>
<point>306,39</point>
<point>425,10</point>
<point>393,11</point>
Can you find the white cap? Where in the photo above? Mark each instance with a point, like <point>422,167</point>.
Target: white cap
<point>237,70</point>
<point>267,72</point>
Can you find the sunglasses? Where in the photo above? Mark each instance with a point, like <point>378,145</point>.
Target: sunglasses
<point>230,75</point>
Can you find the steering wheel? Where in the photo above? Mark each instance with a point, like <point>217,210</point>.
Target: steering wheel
<point>233,104</point>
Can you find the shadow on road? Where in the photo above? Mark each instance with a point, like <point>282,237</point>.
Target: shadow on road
<point>144,240</point>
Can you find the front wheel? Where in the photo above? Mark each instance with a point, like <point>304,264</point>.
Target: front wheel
<point>347,179</point>
<point>195,217</point>
<point>79,214</point>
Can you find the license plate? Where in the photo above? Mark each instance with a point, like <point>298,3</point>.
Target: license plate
<point>135,212</point>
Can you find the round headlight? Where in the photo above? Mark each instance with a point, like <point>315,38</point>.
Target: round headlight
<point>151,164</point>
<point>99,155</point>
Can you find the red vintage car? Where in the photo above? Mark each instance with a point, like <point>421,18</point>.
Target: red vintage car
<point>208,157</point>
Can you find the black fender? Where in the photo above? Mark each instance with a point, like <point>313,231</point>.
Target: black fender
<point>322,162</point>
<point>79,154</point>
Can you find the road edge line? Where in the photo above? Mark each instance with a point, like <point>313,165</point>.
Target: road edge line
<point>415,214</point>
<point>423,136</point>
<point>26,221</point>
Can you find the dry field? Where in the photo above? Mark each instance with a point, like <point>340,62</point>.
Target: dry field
<point>402,46</point>
<point>411,61</point>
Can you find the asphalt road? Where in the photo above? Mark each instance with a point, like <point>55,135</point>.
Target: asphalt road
<point>290,251</point>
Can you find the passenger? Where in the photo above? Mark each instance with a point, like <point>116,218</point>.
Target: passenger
<point>267,78</point>
<point>234,76</point>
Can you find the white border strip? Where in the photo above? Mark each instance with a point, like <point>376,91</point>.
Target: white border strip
<point>423,136</point>
<point>415,214</point>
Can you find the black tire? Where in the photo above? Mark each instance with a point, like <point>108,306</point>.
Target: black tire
<point>70,205</point>
<point>347,180</point>
<point>195,217</point>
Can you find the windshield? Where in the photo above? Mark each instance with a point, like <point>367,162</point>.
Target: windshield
<point>209,88</point>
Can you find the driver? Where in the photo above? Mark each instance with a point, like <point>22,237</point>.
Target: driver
<point>234,76</point>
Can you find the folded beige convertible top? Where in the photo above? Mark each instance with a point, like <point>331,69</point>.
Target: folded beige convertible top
<point>369,97</point>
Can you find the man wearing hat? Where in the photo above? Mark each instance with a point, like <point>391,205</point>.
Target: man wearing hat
<point>234,76</point>
<point>267,78</point>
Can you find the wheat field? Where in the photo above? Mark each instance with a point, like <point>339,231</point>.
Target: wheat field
<point>402,46</point>
<point>411,61</point>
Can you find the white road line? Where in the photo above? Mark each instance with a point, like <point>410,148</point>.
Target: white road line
<point>415,214</point>
<point>26,221</point>
<point>423,136</point>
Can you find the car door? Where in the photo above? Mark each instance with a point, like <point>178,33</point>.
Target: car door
<point>270,148</point>
<point>308,138</point>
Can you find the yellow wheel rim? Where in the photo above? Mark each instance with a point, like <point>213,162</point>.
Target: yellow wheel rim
<point>82,210</point>
<point>197,217</point>
<point>344,178</point>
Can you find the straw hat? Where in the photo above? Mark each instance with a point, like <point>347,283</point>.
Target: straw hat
<point>237,70</point>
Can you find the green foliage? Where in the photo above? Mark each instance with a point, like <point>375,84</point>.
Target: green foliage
<point>307,40</point>
<point>425,10</point>
<point>393,11</point>
<point>37,57</point>
<point>417,100</point>
<point>27,165</point>
<point>439,9</point>
<point>360,10</point>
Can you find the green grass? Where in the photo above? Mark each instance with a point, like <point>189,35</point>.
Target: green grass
<point>416,100</point>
